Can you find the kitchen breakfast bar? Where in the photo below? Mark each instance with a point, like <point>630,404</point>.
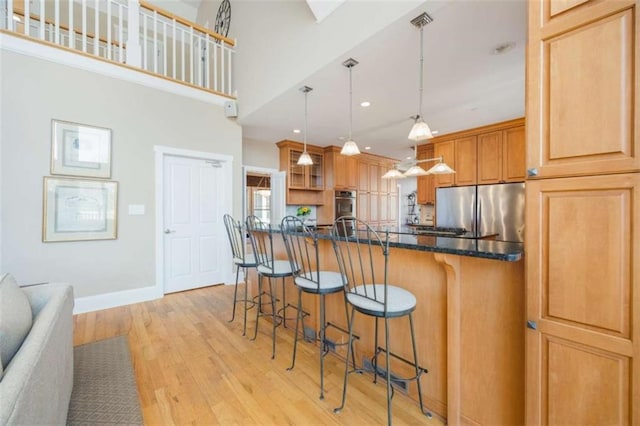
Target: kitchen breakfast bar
<point>469,323</point>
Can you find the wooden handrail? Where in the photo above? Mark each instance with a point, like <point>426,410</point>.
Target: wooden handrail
<point>64,27</point>
<point>183,21</point>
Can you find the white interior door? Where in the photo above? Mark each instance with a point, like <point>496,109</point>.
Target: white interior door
<point>194,233</point>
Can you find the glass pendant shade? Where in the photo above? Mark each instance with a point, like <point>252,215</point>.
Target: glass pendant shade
<point>305,159</point>
<point>393,174</point>
<point>420,131</point>
<point>350,148</point>
<point>441,169</point>
<point>415,171</point>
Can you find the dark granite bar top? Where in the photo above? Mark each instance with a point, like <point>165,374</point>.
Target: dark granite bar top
<point>461,246</point>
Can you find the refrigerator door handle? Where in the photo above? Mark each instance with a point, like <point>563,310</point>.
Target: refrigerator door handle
<point>479,221</point>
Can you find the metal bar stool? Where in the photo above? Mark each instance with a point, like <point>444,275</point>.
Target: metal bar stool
<point>366,290</point>
<point>261,236</point>
<point>302,247</point>
<point>241,260</point>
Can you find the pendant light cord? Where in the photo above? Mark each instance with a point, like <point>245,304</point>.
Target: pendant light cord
<point>350,102</point>
<point>421,72</point>
<point>305,121</point>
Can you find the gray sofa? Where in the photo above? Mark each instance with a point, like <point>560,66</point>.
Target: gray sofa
<point>35,386</point>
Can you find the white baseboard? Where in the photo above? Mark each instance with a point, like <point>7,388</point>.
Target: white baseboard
<point>119,298</point>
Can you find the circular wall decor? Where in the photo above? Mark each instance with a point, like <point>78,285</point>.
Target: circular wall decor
<point>223,18</point>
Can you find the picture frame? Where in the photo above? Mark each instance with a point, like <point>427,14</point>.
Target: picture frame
<point>79,210</point>
<point>80,150</point>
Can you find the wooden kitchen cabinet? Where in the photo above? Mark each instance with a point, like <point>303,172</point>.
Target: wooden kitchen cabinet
<point>501,156</point>
<point>343,174</point>
<point>459,154</point>
<point>304,183</point>
<point>583,213</point>
<point>426,192</point>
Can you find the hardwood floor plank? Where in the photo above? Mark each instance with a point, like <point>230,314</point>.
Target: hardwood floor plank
<point>194,367</point>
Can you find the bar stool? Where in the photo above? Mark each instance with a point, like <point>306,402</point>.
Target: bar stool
<point>302,247</point>
<point>261,236</point>
<point>357,246</point>
<point>241,260</point>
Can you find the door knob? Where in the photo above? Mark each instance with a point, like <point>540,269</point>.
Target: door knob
<point>169,231</point>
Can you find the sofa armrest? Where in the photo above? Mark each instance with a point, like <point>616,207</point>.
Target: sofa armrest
<point>36,386</point>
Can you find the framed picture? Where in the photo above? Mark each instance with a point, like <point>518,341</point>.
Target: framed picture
<point>79,150</point>
<point>76,209</point>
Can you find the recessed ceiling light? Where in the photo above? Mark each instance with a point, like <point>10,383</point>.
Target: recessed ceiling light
<point>367,148</point>
<point>409,158</point>
<point>296,130</point>
<point>365,104</point>
<point>340,138</point>
<point>503,48</point>
<point>435,132</point>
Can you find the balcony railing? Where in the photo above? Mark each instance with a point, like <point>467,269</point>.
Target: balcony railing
<point>130,32</point>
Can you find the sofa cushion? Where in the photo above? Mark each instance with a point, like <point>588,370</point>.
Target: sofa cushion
<point>16,318</point>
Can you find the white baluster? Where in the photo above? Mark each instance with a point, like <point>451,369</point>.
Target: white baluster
<point>121,37</point>
<point>145,53</point>
<point>84,25</point>
<point>182,55</point>
<point>27,17</point>
<point>216,51</point>
<point>72,31</point>
<point>42,23</point>
<point>222,66</point>
<point>96,34</point>
<point>229,73</point>
<point>207,56</point>
<point>191,64</point>
<point>155,41</point>
<point>109,46</point>
<point>10,21</point>
<point>164,48</point>
<point>56,10</point>
<point>173,51</point>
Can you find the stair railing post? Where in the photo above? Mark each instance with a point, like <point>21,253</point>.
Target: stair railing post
<point>134,57</point>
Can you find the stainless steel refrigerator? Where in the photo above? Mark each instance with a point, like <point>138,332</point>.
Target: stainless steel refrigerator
<point>483,209</point>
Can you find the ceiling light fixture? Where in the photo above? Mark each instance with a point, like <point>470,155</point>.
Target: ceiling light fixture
<point>365,104</point>
<point>305,158</point>
<point>296,130</point>
<point>350,147</point>
<point>420,130</point>
<point>441,168</point>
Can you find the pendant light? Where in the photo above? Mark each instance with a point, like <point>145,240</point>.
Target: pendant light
<point>415,170</point>
<point>420,130</point>
<point>305,158</point>
<point>350,147</point>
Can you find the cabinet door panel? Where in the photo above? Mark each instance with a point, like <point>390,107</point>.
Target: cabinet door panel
<point>466,161</point>
<point>513,155</point>
<point>583,263</point>
<point>490,157</point>
<point>585,93</point>
<point>446,150</point>
<point>363,176</point>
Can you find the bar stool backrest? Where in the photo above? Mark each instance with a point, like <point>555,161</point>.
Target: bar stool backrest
<point>261,237</point>
<point>302,248</point>
<point>362,256</point>
<point>235,234</point>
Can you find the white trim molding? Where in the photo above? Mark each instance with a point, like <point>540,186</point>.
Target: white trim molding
<point>115,299</point>
<point>22,46</point>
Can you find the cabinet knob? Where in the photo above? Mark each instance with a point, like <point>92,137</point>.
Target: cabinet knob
<point>532,172</point>
<point>532,325</point>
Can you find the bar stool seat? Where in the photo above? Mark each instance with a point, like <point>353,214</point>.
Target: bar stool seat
<point>276,269</point>
<point>400,301</point>
<point>327,282</point>
<point>249,261</point>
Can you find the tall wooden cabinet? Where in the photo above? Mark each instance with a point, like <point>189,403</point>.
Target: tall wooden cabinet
<point>583,213</point>
<point>305,184</point>
<point>426,192</point>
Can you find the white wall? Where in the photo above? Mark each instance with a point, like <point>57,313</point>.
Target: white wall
<point>260,154</point>
<point>35,91</point>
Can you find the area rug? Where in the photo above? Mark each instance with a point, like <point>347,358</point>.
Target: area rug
<point>104,386</point>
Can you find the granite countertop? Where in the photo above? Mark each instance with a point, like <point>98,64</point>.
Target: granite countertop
<point>461,245</point>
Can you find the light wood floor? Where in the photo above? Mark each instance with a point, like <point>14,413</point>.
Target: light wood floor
<point>194,367</point>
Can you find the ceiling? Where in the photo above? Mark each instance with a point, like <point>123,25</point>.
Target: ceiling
<point>466,84</point>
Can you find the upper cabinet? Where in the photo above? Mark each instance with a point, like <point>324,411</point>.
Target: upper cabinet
<point>501,156</point>
<point>304,183</point>
<point>341,171</point>
<point>483,155</point>
<point>426,193</point>
<point>584,89</point>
